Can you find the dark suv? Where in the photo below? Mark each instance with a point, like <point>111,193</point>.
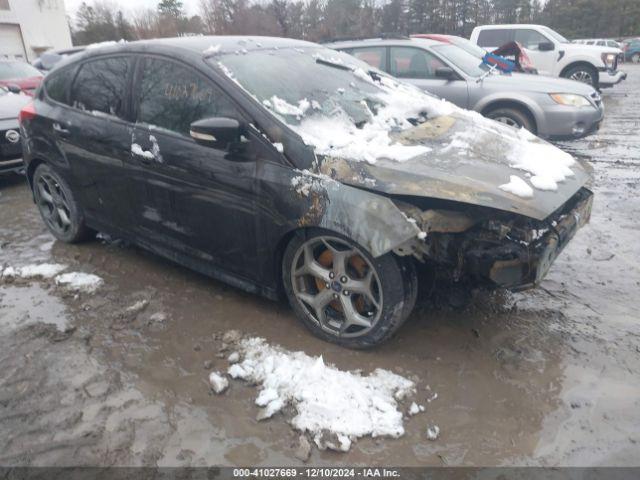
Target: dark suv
<point>281,166</point>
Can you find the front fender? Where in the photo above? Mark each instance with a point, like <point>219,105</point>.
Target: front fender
<point>372,220</point>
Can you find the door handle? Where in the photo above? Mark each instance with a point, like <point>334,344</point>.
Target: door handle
<point>60,129</point>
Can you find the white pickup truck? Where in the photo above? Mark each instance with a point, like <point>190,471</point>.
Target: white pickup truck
<point>554,55</point>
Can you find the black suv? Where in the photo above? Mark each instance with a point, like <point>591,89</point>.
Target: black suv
<point>281,166</point>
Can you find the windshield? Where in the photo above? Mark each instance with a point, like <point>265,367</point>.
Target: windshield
<point>556,36</point>
<point>16,70</point>
<point>336,103</point>
<point>470,64</point>
<point>469,47</point>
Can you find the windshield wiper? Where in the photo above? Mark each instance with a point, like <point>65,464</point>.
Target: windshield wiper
<point>329,63</point>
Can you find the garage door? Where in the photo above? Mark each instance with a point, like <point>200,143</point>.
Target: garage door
<point>11,45</point>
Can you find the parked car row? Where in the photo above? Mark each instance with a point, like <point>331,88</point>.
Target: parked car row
<point>549,107</point>
<point>287,168</point>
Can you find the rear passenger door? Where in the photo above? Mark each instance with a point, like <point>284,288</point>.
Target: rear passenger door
<point>93,133</point>
<point>185,196</point>
<point>418,67</point>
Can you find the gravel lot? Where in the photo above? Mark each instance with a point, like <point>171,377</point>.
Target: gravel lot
<point>546,377</point>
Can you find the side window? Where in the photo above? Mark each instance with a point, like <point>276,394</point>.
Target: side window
<point>494,37</point>
<point>409,62</point>
<point>530,39</point>
<point>173,96</point>
<point>374,56</point>
<point>100,86</point>
<point>56,85</point>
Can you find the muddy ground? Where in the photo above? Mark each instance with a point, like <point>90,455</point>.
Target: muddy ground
<point>546,377</point>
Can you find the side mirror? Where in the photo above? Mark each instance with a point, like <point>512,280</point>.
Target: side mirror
<point>216,132</point>
<point>546,46</point>
<point>13,88</point>
<point>446,73</point>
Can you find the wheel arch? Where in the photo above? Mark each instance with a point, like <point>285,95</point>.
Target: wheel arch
<point>578,63</point>
<point>31,169</point>
<point>514,104</point>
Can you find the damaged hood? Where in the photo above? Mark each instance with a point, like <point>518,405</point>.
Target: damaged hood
<point>471,162</point>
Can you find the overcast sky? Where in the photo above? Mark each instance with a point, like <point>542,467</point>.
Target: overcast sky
<point>191,6</point>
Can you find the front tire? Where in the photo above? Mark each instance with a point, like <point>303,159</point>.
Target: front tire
<point>342,294</point>
<point>58,207</point>
<point>512,117</point>
<point>583,73</point>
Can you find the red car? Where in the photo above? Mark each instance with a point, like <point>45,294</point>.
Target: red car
<point>19,75</point>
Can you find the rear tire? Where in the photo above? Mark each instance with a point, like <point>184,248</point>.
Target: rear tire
<point>342,294</point>
<point>635,58</point>
<point>58,206</point>
<point>583,73</point>
<point>512,117</point>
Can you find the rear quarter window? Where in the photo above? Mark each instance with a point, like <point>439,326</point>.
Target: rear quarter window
<point>57,83</point>
<point>100,85</point>
<point>495,37</point>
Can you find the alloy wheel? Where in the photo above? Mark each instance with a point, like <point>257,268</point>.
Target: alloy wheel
<point>337,286</point>
<point>582,76</point>
<point>53,204</point>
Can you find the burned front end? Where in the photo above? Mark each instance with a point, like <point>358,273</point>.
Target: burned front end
<point>491,248</point>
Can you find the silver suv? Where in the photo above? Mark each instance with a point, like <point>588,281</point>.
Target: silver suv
<point>551,108</point>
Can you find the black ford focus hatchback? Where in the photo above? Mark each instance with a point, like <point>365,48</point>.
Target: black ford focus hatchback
<point>283,167</point>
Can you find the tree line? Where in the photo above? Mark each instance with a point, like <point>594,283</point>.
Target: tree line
<point>322,20</point>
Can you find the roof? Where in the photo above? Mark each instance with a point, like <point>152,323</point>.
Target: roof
<point>198,44</point>
<point>508,25</point>
<point>384,42</point>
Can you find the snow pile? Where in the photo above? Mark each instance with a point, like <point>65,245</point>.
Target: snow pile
<point>213,49</point>
<point>285,108</point>
<point>139,151</point>
<point>218,382</point>
<point>347,405</point>
<point>518,187</point>
<point>548,164</point>
<point>79,282</point>
<point>41,270</point>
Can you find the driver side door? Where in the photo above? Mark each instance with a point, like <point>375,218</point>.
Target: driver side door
<point>543,61</point>
<point>196,199</point>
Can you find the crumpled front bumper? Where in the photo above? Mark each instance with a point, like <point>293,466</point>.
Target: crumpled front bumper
<point>518,265</point>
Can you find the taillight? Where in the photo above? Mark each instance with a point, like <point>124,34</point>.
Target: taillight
<point>27,113</point>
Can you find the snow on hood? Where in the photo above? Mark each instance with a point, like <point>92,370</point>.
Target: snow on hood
<point>399,107</point>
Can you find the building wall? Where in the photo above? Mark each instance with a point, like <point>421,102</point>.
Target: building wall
<point>43,25</point>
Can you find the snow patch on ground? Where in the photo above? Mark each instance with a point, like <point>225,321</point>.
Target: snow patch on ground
<point>326,399</point>
<point>518,187</point>
<point>219,383</point>
<point>41,270</point>
<point>79,282</point>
